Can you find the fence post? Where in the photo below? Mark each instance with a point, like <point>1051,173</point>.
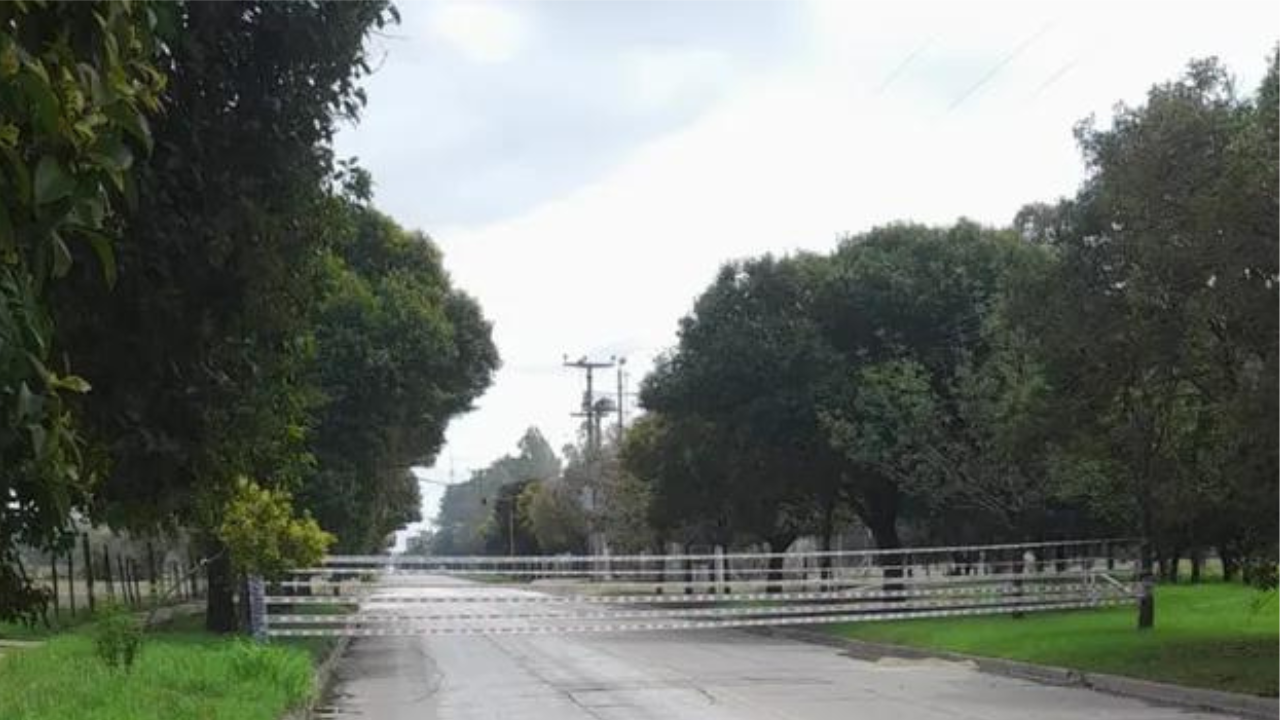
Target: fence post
<point>257,608</point>
<point>720,585</point>
<point>71,577</point>
<point>151,571</point>
<point>195,583</point>
<point>1020,572</point>
<point>1146,601</point>
<point>88,569</point>
<point>106,569</point>
<point>135,576</point>
<point>124,580</point>
<point>53,566</point>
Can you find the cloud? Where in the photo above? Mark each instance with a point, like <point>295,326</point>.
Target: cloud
<point>483,33</point>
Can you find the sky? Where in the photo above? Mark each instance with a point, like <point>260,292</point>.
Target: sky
<point>586,166</point>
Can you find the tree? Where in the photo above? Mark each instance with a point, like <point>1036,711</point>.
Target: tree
<point>398,353</point>
<point>467,506</point>
<point>263,535</point>
<point>555,517</point>
<point>748,371</point>
<point>1159,320</point>
<point>200,350</point>
<point>77,83</point>
<point>509,530</point>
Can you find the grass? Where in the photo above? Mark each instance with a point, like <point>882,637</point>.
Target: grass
<point>1216,635</point>
<point>180,674</point>
<point>40,631</point>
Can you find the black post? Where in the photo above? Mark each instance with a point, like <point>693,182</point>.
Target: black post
<point>71,578</point>
<point>53,566</point>
<point>132,565</point>
<point>151,569</point>
<point>124,580</point>
<point>106,569</point>
<point>1146,590</point>
<point>88,570</point>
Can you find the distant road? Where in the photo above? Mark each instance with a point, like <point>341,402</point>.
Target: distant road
<point>689,675</point>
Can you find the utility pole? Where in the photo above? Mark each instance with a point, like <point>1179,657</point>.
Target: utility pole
<point>590,411</point>
<point>622,418</point>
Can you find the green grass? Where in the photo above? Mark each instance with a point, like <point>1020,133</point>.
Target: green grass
<point>1214,635</point>
<point>40,631</point>
<point>180,674</point>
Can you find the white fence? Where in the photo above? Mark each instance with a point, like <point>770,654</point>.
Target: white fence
<point>407,595</point>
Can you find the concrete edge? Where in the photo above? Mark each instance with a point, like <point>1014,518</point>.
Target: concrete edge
<point>323,677</point>
<point>1251,706</point>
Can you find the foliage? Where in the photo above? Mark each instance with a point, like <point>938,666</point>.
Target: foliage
<point>117,636</point>
<point>626,512</point>
<point>264,536</point>
<point>509,528</point>
<point>1158,321</point>
<point>199,353</point>
<point>398,353</point>
<point>467,506</point>
<point>77,81</point>
<point>555,516</point>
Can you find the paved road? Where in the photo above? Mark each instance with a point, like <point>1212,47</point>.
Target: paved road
<point>706,675</point>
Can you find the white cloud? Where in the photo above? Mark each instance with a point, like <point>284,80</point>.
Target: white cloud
<point>665,77</point>
<point>483,33</point>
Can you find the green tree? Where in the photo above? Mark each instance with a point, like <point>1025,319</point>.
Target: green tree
<point>199,353</point>
<point>749,365</point>
<point>1159,321</point>
<point>467,507</point>
<point>77,83</point>
<point>509,529</point>
<point>398,352</point>
<point>264,536</point>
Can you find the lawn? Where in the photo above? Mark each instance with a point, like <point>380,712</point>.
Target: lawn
<point>181,674</point>
<point>1213,635</point>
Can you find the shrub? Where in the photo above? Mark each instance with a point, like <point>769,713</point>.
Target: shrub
<point>117,635</point>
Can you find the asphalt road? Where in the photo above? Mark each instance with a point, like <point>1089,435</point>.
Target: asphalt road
<point>706,675</point>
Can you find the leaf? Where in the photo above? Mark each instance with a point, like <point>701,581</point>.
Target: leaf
<point>133,121</point>
<point>70,383</point>
<point>52,182</point>
<point>29,405</point>
<point>112,153</point>
<point>61,255</point>
<point>102,247</point>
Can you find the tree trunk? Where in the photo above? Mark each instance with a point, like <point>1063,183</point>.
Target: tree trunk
<point>828,530</point>
<point>1230,562</point>
<point>885,533</point>
<point>778,544</point>
<point>1197,565</point>
<point>244,608</point>
<point>220,608</point>
<point>1175,558</point>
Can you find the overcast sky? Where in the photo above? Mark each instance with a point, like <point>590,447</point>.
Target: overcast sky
<point>587,166</point>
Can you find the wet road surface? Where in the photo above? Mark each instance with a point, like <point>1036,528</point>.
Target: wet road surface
<point>709,675</point>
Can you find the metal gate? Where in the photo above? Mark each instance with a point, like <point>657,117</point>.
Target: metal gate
<point>414,595</point>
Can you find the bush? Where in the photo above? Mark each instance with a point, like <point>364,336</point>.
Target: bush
<point>117,635</point>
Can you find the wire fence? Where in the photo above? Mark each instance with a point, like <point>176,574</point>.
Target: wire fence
<point>97,568</point>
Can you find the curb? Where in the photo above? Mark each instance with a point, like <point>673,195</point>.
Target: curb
<point>323,677</point>
<point>1250,706</point>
